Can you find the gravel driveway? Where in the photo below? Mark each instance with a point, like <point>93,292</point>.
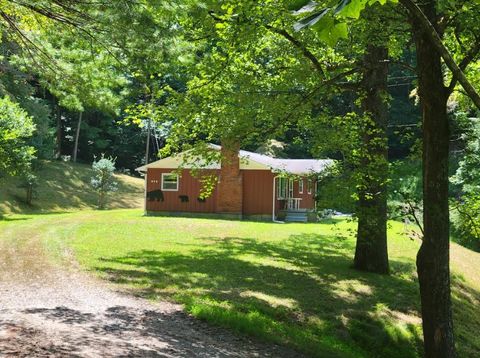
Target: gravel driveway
<point>49,310</point>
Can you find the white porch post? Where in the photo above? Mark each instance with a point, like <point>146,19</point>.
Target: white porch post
<point>273,200</point>
<point>145,196</point>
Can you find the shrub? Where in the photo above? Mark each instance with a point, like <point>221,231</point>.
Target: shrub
<point>29,182</point>
<point>466,221</point>
<point>103,180</point>
<point>16,128</point>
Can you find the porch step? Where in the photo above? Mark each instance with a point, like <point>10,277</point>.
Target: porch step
<point>296,216</point>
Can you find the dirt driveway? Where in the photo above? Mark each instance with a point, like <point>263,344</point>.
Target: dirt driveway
<point>53,310</point>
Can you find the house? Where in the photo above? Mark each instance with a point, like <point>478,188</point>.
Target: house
<point>249,185</point>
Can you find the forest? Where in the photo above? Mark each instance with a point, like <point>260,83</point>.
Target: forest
<point>386,88</point>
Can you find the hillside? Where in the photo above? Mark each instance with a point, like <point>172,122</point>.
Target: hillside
<point>64,186</point>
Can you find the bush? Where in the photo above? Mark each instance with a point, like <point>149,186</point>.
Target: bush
<point>103,180</point>
<point>336,190</point>
<point>16,128</point>
<point>466,221</point>
<point>29,182</point>
<point>404,188</point>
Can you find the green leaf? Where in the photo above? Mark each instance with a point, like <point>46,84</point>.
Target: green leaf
<point>340,31</point>
<point>350,8</point>
<point>341,5</point>
<point>311,20</point>
<point>330,32</point>
<point>297,4</point>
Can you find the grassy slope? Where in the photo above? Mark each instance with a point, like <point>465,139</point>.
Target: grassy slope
<point>64,186</point>
<point>287,283</point>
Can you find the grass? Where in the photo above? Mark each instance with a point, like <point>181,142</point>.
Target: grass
<point>291,283</point>
<point>64,186</point>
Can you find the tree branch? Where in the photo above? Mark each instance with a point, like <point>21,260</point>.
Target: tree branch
<point>298,44</point>
<point>427,27</point>
<point>307,96</point>
<point>469,57</point>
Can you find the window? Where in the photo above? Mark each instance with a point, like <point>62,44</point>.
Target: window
<point>169,182</point>
<point>309,186</point>
<point>282,188</point>
<point>300,186</point>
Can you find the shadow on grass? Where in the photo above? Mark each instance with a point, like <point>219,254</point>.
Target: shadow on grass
<point>300,292</point>
<point>122,331</point>
<point>6,218</point>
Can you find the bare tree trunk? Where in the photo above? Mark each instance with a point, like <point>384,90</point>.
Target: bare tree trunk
<point>147,149</point>
<point>58,143</point>
<point>371,249</point>
<point>433,258</point>
<point>77,136</point>
<point>29,196</point>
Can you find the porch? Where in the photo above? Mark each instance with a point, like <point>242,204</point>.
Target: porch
<point>294,199</point>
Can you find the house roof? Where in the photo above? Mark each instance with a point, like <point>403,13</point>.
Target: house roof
<point>248,160</point>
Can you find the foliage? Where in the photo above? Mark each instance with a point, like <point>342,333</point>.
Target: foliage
<point>466,218</point>
<point>18,84</point>
<point>29,181</point>
<point>103,180</point>
<point>272,148</point>
<point>336,189</point>
<point>468,172</point>
<point>467,221</point>
<point>405,184</point>
<point>16,127</point>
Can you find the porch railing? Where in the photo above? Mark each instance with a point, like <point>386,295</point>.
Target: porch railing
<point>293,203</point>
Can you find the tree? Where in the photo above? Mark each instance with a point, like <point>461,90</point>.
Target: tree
<point>29,182</point>
<point>433,257</point>
<point>433,261</point>
<point>371,252</point>
<point>16,127</point>
<point>370,158</point>
<point>103,180</point>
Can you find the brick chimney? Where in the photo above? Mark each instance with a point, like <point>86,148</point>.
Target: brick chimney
<point>230,184</point>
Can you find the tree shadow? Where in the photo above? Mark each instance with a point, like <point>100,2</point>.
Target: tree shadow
<point>304,282</point>
<point>6,218</point>
<point>124,331</point>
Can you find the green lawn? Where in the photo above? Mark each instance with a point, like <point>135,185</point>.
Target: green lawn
<point>288,283</point>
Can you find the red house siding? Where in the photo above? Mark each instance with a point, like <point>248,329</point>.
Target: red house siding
<point>257,192</point>
<point>188,185</point>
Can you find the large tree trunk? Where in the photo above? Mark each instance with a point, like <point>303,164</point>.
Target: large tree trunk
<point>433,256</point>
<point>371,249</point>
<point>77,136</point>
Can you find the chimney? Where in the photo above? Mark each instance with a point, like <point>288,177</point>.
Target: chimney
<point>230,185</point>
